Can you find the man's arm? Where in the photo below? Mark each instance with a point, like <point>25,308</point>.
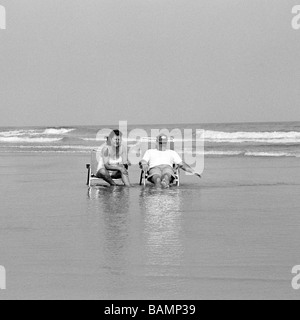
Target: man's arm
<point>187,168</point>
<point>182,165</point>
<point>145,162</point>
<point>125,159</point>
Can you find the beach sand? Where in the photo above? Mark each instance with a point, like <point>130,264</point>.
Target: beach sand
<point>233,235</point>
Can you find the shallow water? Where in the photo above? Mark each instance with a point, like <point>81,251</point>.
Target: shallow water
<point>233,235</point>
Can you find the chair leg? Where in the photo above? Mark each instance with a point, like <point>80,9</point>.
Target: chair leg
<point>141,177</point>
<point>145,178</point>
<point>89,177</point>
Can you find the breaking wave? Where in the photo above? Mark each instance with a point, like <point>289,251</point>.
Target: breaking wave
<point>28,140</point>
<point>60,131</point>
<point>272,154</point>
<point>256,137</point>
<point>245,153</point>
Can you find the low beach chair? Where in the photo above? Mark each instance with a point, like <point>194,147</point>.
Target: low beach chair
<point>92,169</point>
<point>145,175</point>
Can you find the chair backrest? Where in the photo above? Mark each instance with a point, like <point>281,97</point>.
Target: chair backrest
<point>94,161</point>
<point>96,157</point>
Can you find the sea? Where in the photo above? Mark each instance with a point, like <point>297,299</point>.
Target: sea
<point>279,139</point>
<point>234,234</point>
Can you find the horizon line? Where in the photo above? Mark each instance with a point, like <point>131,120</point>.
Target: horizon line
<point>144,124</point>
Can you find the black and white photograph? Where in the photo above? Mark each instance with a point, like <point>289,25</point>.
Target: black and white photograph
<point>149,152</point>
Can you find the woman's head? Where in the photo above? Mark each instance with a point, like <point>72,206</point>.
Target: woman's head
<point>115,138</point>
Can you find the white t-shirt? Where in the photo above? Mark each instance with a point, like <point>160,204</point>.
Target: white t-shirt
<point>157,158</point>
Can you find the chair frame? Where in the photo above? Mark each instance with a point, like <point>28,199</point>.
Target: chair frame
<point>90,175</point>
<point>145,175</point>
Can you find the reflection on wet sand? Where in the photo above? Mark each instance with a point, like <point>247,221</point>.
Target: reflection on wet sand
<point>162,212</point>
<point>141,239</point>
<point>114,204</point>
<point>113,214</point>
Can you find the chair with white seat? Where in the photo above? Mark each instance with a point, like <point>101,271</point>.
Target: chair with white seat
<point>144,177</point>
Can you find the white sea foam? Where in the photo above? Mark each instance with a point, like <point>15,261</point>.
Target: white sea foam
<point>28,140</point>
<point>92,139</point>
<point>258,137</point>
<point>56,147</point>
<point>16,133</point>
<point>59,131</point>
<point>276,137</point>
<point>269,154</point>
<point>47,151</point>
<point>30,133</point>
<point>102,138</point>
<point>244,153</point>
<point>224,153</point>
<point>214,153</point>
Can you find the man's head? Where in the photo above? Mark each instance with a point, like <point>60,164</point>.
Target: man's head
<point>162,141</point>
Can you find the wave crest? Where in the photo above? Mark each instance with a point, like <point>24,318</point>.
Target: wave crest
<point>260,137</point>
<point>57,131</point>
<point>28,140</point>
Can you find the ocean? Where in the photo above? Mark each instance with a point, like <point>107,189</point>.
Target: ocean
<point>234,234</point>
<point>221,140</point>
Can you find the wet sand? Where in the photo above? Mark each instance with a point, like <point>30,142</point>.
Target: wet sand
<point>233,235</point>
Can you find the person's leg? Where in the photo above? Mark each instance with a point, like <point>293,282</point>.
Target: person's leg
<point>155,176</point>
<point>166,180</point>
<point>168,176</point>
<point>104,174</point>
<point>125,179</point>
<point>117,175</point>
<point>156,179</point>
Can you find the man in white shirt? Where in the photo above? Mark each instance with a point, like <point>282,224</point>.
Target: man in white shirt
<point>159,162</point>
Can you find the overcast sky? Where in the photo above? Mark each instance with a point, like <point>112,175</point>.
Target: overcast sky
<point>91,62</point>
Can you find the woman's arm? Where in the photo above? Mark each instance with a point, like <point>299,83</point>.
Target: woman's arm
<point>124,155</point>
